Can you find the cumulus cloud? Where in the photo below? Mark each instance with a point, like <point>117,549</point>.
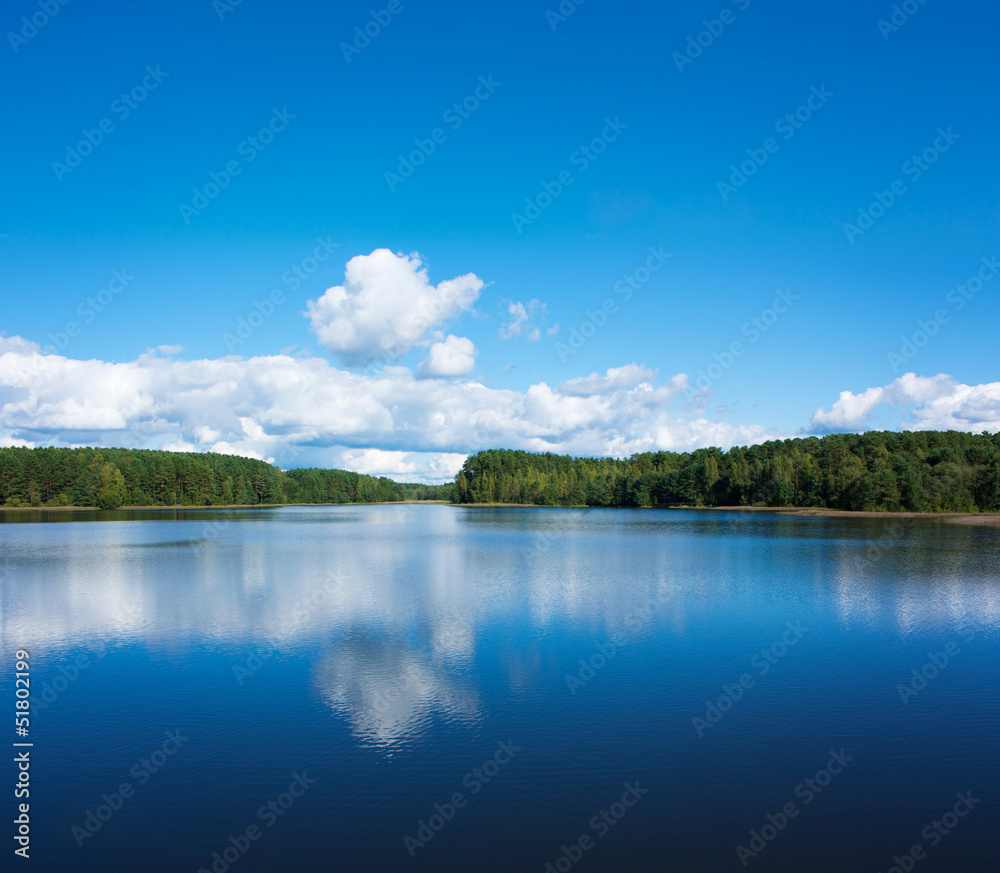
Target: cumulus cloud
<point>386,306</point>
<point>455,356</point>
<point>401,466</point>
<point>921,403</point>
<point>850,412</point>
<point>617,377</point>
<point>522,318</point>
<point>302,411</point>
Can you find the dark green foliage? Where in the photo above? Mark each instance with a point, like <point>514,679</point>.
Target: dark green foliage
<point>416,491</point>
<point>110,478</point>
<point>112,493</point>
<point>923,471</point>
<point>338,486</point>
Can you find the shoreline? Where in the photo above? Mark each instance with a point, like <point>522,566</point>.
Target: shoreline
<point>969,518</point>
<point>177,506</point>
<point>978,519</point>
<point>139,508</point>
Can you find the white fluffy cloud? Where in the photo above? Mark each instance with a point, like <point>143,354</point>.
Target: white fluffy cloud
<point>401,466</point>
<point>617,377</point>
<point>301,411</point>
<point>921,402</point>
<point>386,306</point>
<point>522,318</point>
<point>455,356</point>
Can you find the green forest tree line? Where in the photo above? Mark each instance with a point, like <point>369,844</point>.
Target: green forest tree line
<point>110,478</point>
<point>924,471</point>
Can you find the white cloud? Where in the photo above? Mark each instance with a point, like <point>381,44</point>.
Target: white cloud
<point>302,411</point>
<point>455,356</point>
<point>522,318</point>
<point>922,402</point>
<point>401,466</point>
<point>850,412</point>
<point>386,306</point>
<point>617,377</point>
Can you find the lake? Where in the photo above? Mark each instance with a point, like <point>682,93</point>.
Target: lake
<point>438,688</point>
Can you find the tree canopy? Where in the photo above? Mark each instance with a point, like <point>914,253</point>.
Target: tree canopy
<point>917,471</point>
<point>110,478</point>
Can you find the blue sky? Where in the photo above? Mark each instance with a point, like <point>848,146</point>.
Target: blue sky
<point>205,80</point>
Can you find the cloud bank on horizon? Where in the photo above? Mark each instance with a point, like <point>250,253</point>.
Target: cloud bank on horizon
<point>415,424</point>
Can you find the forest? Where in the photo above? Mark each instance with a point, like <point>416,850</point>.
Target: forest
<point>915,471</point>
<point>922,471</point>
<point>111,478</point>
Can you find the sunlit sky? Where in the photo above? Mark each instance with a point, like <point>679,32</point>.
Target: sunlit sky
<point>381,236</point>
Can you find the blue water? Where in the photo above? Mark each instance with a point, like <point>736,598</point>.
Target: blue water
<point>434,688</point>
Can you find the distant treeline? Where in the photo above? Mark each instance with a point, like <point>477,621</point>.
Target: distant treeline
<point>429,492</point>
<point>926,471</point>
<point>109,478</point>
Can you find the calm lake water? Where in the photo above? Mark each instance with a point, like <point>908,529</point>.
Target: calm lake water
<point>434,688</point>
